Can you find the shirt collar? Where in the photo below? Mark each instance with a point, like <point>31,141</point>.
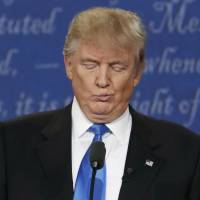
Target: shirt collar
<point>80,124</point>
<point>120,125</point>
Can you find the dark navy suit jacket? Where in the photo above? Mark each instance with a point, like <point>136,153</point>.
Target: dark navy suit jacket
<point>163,160</point>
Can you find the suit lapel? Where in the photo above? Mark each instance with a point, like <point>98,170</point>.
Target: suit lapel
<point>55,156</point>
<point>141,164</point>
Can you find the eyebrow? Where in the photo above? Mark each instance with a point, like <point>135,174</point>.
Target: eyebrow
<point>89,60</point>
<point>118,62</point>
<point>110,63</point>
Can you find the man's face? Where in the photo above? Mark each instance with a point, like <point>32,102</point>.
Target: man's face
<point>103,79</point>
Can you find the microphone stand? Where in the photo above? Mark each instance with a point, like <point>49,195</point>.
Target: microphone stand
<point>97,157</point>
<point>94,171</point>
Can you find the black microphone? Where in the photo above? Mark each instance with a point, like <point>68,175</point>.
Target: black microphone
<point>97,159</point>
<point>97,155</point>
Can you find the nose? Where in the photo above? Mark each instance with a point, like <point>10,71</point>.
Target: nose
<point>102,79</point>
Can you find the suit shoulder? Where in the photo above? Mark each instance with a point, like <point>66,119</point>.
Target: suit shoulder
<point>168,131</point>
<point>30,123</point>
<point>38,117</point>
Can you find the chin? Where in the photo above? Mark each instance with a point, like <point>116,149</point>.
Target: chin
<point>100,112</point>
<point>101,108</point>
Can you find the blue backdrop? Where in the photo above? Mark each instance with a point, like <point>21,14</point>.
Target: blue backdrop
<point>32,76</point>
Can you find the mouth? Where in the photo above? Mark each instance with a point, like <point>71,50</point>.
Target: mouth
<point>103,97</point>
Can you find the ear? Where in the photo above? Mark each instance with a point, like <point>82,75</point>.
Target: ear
<point>138,72</point>
<point>68,67</point>
<point>139,68</point>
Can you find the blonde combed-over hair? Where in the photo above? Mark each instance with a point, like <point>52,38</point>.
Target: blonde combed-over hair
<point>109,25</point>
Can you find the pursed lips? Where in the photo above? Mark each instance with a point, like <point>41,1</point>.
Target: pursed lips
<point>103,97</point>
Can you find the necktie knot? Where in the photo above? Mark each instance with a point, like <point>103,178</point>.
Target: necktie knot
<point>99,130</point>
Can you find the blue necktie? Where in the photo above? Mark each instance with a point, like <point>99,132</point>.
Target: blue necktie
<point>82,187</point>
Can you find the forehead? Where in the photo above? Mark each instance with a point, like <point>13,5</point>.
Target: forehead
<point>103,50</point>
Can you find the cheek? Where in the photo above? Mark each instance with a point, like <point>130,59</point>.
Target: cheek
<point>125,86</point>
<point>82,83</point>
<point>124,92</point>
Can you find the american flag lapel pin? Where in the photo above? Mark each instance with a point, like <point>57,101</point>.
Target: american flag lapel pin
<point>149,163</point>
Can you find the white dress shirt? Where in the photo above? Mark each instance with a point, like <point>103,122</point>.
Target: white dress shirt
<point>116,144</point>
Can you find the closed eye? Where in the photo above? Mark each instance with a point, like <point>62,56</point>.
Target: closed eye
<point>89,64</point>
<point>118,67</point>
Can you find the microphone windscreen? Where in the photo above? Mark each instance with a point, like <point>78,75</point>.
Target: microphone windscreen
<point>97,154</point>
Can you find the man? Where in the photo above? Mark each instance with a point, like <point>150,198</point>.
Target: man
<point>145,158</point>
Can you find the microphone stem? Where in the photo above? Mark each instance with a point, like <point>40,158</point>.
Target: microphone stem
<point>92,183</point>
